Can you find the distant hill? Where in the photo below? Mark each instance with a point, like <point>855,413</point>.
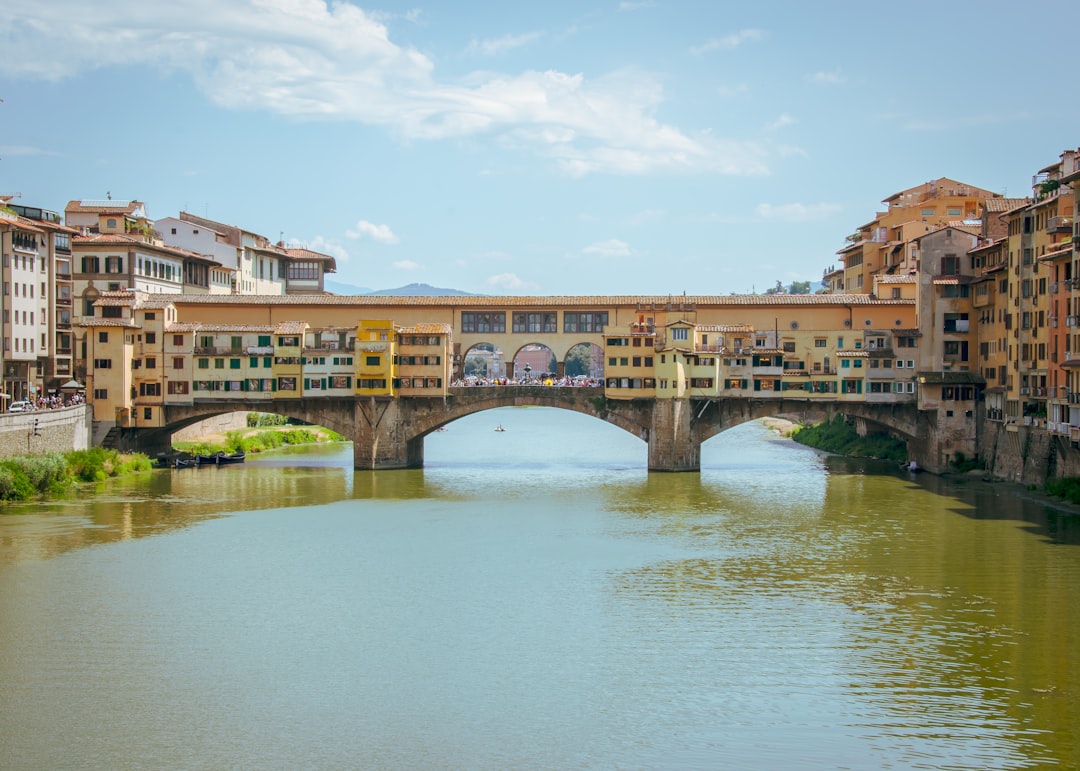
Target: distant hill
<point>338,287</point>
<point>409,290</point>
<point>420,290</point>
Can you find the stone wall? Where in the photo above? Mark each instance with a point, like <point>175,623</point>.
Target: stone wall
<point>218,424</point>
<point>43,431</point>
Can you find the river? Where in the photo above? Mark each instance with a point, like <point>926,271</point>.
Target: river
<point>535,599</point>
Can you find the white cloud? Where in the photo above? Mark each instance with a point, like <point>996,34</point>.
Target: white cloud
<point>779,123</point>
<point>797,212</point>
<point>501,45</point>
<point>613,247</point>
<point>365,229</point>
<point>630,5</point>
<point>509,282</point>
<point>728,42</point>
<point>329,60</point>
<point>12,151</point>
<point>320,244</point>
<point>830,78</point>
<point>406,265</point>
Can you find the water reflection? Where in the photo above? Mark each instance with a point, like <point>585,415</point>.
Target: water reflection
<point>532,595</point>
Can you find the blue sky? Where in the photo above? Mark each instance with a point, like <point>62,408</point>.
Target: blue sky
<point>646,147</point>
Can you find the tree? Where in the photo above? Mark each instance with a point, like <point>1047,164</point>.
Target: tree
<point>799,287</point>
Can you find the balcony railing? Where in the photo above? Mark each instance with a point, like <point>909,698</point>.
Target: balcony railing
<point>1059,224</point>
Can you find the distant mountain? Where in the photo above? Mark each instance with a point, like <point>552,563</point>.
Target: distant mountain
<point>420,290</point>
<point>338,287</point>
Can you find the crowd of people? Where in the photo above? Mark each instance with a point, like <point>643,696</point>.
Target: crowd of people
<point>51,402</point>
<point>544,380</point>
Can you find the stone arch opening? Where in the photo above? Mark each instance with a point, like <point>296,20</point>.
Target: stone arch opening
<point>585,362</point>
<point>482,362</point>
<point>535,363</point>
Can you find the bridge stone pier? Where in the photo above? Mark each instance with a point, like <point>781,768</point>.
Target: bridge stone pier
<point>388,433</point>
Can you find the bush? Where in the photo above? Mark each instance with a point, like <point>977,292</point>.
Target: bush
<point>837,436</point>
<point>14,484</point>
<point>1066,487</point>
<point>47,473</point>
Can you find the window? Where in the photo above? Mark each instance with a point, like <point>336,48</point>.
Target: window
<point>178,362</point>
<point>589,321</point>
<point>149,389</point>
<point>151,338</point>
<point>482,322</point>
<point>372,361</point>
<point>178,387</point>
<point>680,333</point>
<point>535,322</point>
<point>101,393</point>
<point>102,363</point>
<point>151,362</point>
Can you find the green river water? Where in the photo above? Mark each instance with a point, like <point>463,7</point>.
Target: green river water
<point>535,599</point>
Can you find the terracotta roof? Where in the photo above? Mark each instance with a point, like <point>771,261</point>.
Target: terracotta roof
<point>426,329</point>
<point>902,278</point>
<point>102,207</point>
<point>591,302</point>
<point>1061,251</point>
<point>290,328</point>
<point>907,332</point>
<point>725,328</point>
<point>195,326</point>
<point>858,353</point>
<point>22,223</point>
<point>96,322</point>
<point>953,280</point>
<point>119,239</point>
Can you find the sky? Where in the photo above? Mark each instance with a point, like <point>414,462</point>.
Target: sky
<point>633,147</point>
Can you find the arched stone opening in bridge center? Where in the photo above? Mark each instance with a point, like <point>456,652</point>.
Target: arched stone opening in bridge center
<point>584,361</point>
<point>535,363</point>
<point>482,362</point>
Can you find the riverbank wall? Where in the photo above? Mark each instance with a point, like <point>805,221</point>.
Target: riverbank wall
<point>44,431</point>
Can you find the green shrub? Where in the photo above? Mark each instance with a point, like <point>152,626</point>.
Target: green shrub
<point>1066,487</point>
<point>47,473</point>
<point>14,484</point>
<point>838,437</point>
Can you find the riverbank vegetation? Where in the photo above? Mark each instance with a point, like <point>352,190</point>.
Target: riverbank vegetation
<point>24,478</point>
<point>266,436</point>
<point>839,437</point>
<point>1067,488</point>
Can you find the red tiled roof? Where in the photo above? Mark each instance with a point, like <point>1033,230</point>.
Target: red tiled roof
<point>290,328</point>
<point>597,302</point>
<point>426,329</point>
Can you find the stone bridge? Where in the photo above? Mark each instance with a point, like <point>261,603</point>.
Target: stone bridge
<point>388,433</point>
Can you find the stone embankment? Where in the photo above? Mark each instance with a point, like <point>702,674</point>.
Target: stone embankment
<point>42,431</point>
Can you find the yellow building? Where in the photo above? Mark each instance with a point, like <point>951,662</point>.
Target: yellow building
<point>375,340</point>
<point>422,366</point>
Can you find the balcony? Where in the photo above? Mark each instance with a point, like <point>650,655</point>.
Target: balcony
<point>1059,224</point>
<point>224,350</point>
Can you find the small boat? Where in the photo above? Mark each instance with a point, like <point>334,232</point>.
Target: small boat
<point>499,427</point>
<point>220,458</point>
<point>179,462</point>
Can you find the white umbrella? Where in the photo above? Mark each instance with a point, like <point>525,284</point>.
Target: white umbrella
<point>71,385</point>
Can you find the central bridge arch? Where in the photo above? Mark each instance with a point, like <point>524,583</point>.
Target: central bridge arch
<point>389,432</point>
